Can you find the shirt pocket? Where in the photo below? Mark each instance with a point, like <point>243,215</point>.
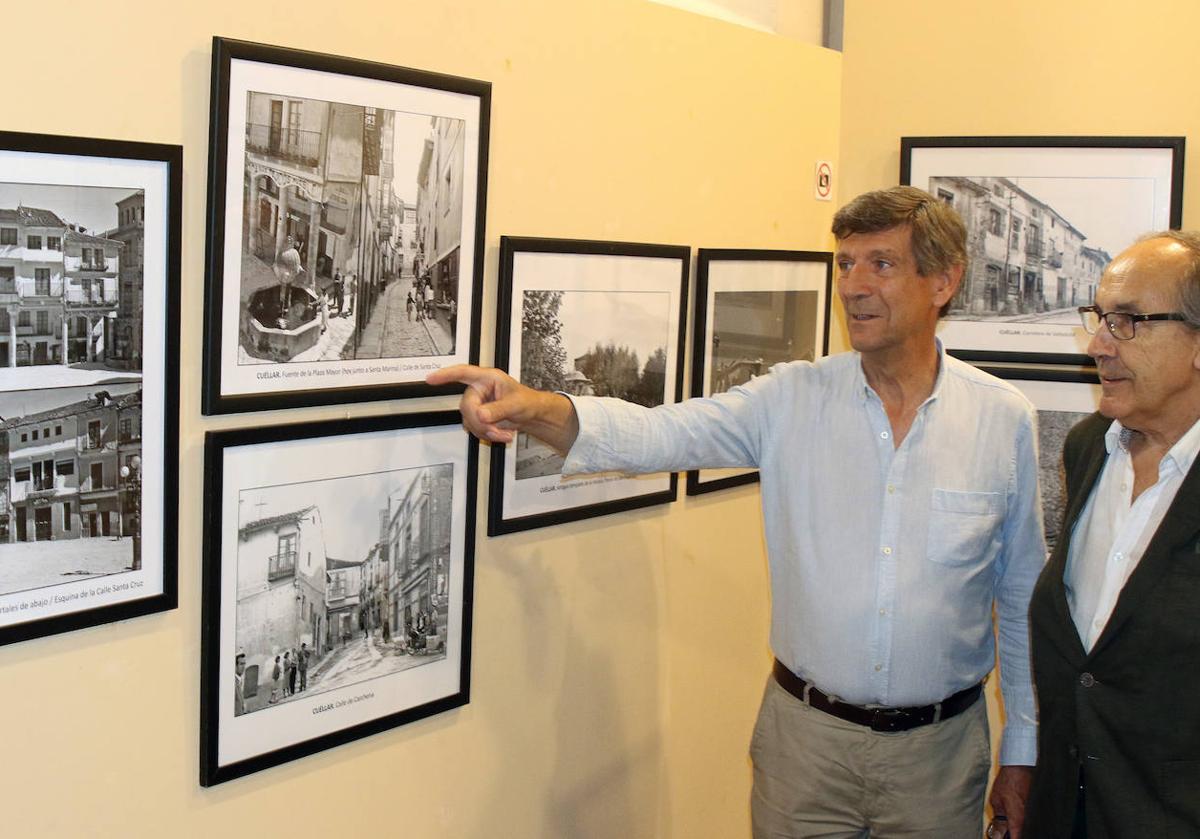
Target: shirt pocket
<point>962,525</point>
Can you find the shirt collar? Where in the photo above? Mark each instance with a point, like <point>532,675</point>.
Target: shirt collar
<point>1181,455</point>
<point>867,392</point>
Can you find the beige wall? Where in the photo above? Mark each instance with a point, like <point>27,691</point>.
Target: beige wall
<point>617,662</point>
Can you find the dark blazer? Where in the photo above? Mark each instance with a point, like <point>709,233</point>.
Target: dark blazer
<point>1128,712</point>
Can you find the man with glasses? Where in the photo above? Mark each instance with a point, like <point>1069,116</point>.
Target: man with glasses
<point>1115,617</point>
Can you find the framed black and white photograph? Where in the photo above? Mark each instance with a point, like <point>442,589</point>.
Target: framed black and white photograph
<point>1044,217</point>
<point>590,319</point>
<point>338,573</point>
<point>346,225</point>
<point>754,309</point>
<point>89,387</point>
<point>1062,399</point>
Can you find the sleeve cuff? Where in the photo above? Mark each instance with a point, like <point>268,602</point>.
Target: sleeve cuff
<point>1018,746</point>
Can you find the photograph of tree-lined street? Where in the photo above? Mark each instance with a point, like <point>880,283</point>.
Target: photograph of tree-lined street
<point>591,343</point>
<point>341,580</point>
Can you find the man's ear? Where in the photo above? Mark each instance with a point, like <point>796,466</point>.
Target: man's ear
<point>945,284</point>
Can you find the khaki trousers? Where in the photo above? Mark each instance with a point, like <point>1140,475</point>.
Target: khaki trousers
<point>818,776</point>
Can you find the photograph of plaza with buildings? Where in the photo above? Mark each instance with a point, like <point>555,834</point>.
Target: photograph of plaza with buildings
<point>351,233</point>
<point>1034,249</point>
<point>341,580</point>
<point>71,280</point>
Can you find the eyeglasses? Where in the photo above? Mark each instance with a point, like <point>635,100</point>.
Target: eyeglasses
<point>1120,324</point>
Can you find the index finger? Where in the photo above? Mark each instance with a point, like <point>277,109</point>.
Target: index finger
<point>467,374</point>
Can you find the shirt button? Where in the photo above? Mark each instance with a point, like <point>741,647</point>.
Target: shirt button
<point>878,667</point>
<point>891,489</point>
<point>883,611</point>
<point>884,435</point>
<point>1118,557</point>
<point>1087,680</point>
<point>887,551</point>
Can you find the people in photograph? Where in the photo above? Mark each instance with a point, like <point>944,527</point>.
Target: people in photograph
<point>339,292</point>
<point>351,283</point>
<point>1115,625</point>
<point>428,292</point>
<point>276,672</point>
<point>302,665</point>
<point>289,672</point>
<point>287,269</point>
<point>900,497</point>
<point>239,688</point>
<point>408,304</point>
<point>453,314</point>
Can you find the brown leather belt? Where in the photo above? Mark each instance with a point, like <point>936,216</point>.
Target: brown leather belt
<point>876,719</point>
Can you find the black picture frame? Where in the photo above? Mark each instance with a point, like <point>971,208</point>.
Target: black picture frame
<point>768,290</point>
<point>307,200</point>
<point>1062,397</point>
<point>608,275</point>
<point>1044,215</point>
<point>90,244</point>
<point>420,470</point>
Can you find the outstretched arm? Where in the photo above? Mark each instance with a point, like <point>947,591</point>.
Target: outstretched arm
<point>495,405</point>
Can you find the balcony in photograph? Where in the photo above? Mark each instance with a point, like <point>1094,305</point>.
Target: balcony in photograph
<point>300,148</point>
<point>281,566</point>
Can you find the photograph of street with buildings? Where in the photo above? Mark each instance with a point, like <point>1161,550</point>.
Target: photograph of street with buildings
<point>71,281</point>
<point>352,226</point>
<point>1036,246</point>
<point>339,581</point>
<point>753,330</point>
<point>590,343</point>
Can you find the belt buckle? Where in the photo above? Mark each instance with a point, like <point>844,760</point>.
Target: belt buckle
<point>888,719</point>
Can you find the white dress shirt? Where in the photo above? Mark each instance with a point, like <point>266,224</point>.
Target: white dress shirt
<point>1112,531</point>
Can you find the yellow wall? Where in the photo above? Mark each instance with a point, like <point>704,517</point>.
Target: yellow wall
<point>617,662</point>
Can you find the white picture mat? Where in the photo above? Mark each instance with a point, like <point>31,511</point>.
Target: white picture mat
<point>151,176</point>
<point>725,275</point>
<point>253,76</point>
<point>314,459</point>
<point>536,271</point>
<point>1144,172</point>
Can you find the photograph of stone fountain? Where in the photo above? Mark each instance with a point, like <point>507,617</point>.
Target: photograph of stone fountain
<point>351,229</point>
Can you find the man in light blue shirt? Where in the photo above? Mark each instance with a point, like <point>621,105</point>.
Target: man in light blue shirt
<point>899,488</point>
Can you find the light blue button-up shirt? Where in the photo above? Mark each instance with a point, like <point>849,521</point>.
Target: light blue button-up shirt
<point>885,561</point>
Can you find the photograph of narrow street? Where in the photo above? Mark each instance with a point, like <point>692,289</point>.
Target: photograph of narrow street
<point>341,580</point>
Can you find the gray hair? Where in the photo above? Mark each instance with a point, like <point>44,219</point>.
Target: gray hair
<point>1189,283</point>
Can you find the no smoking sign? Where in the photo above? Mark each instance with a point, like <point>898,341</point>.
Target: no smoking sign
<point>824,180</point>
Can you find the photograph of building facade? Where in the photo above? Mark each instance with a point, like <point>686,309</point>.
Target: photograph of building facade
<point>415,554</point>
<point>1027,261</point>
<point>130,232</point>
<point>339,614</point>
<point>59,292</point>
<point>71,486</point>
<point>281,595</point>
<point>325,212</point>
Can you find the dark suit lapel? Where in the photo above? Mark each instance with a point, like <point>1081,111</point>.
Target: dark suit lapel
<point>1094,460</point>
<point>1179,526</point>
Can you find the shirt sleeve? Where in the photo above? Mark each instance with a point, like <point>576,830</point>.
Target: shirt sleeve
<point>722,430</point>
<point>1020,563</point>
